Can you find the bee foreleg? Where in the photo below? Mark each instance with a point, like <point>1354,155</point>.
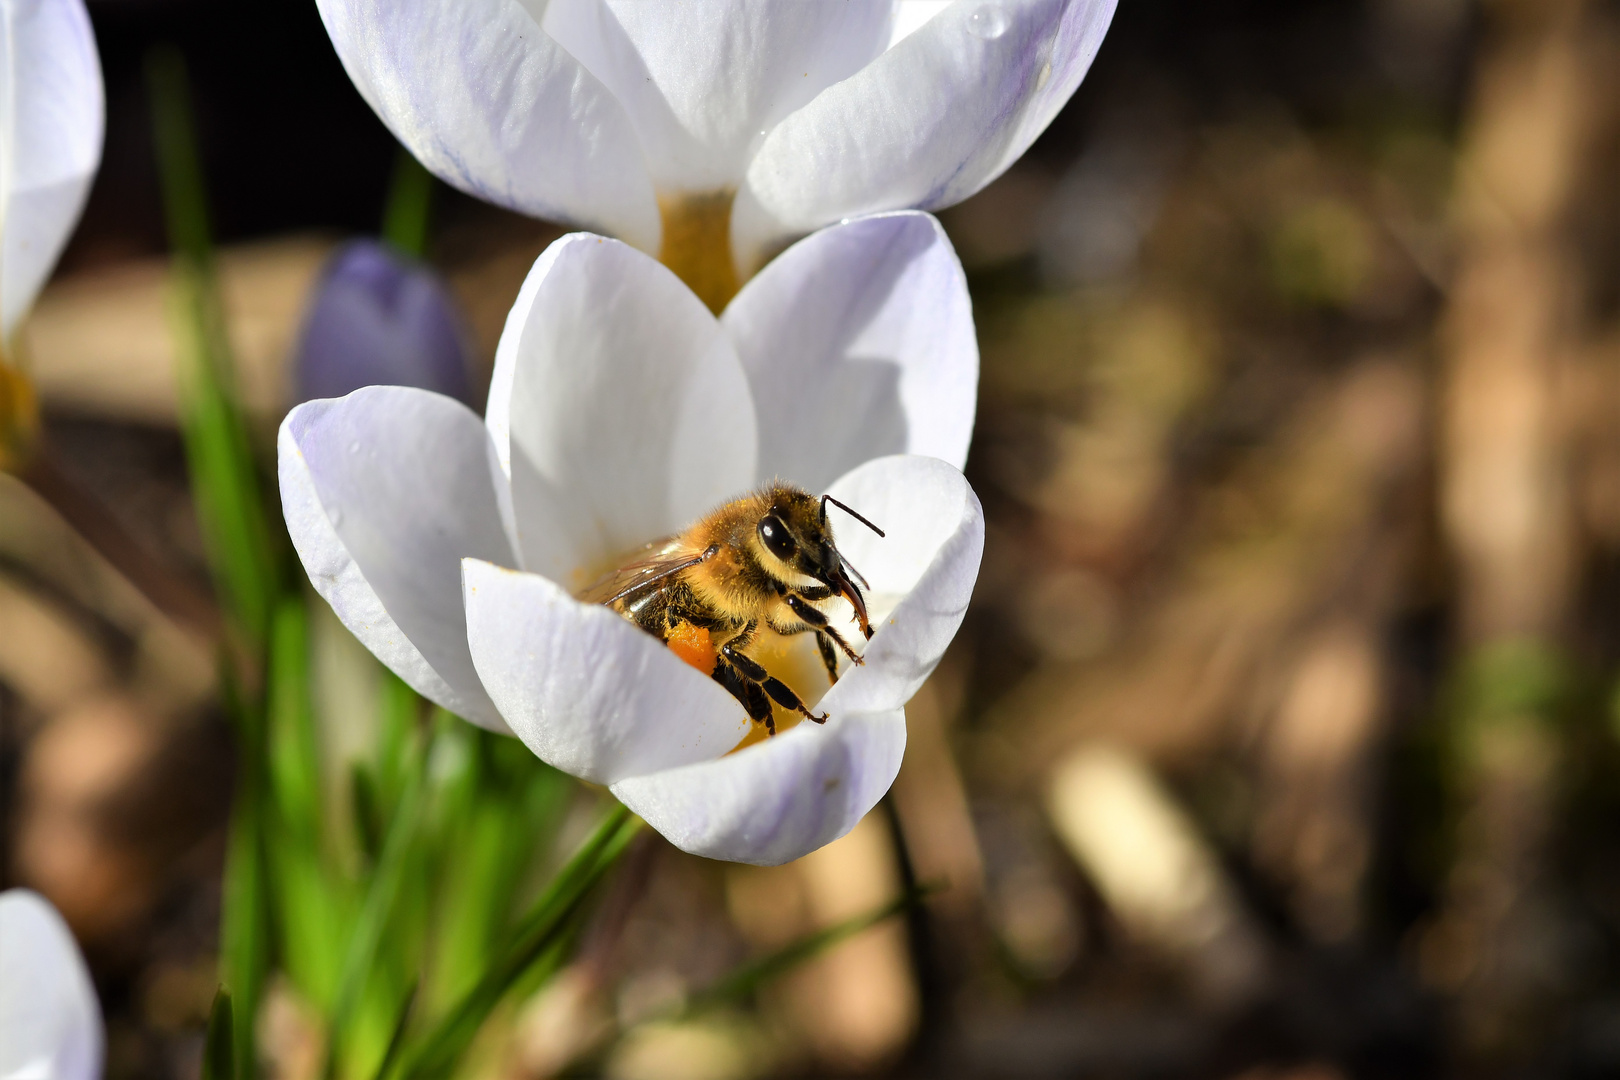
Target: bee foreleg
<point>817,619</point>
<point>806,611</point>
<point>838,640</point>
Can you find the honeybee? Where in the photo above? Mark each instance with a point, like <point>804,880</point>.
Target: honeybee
<point>759,563</point>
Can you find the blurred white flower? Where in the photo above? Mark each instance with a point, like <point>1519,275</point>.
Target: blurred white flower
<point>50,1021</point>
<point>621,410</point>
<point>50,141</point>
<point>645,120</point>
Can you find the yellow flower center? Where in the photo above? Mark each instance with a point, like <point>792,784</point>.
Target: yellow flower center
<point>697,244</point>
<point>19,416</point>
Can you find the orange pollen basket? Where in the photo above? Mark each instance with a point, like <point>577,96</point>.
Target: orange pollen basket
<point>693,645</point>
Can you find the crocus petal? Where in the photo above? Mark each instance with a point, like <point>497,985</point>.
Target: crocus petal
<point>922,573</point>
<point>385,491</point>
<point>51,117</point>
<point>490,103</point>
<point>377,319</point>
<point>858,342</point>
<point>50,1022</point>
<point>703,81</point>
<point>617,405</point>
<point>911,15</point>
<point>926,124</point>
<point>777,800</point>
<point>584,688</point>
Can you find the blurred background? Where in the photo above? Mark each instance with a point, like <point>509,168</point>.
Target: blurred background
<point>1283,736</point>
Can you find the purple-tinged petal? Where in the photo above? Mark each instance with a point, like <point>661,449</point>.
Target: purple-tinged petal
<point>378,319</point>
<point>703,81</point>
<point>925,125</point>
<point>618,408</point>
<point>858,342</point>
<point>492,105</point>
<point>777,800</point>
<point>385,492</point>
<point>922,573</point>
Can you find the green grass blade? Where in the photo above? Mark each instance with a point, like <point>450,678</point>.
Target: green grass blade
<point>399,749</point>
<point>245,919</point>
<point>184,201</point>
<point>530,942</point>
<point>743,982</point>
<point>375,911</point>
<point>397,1039</point>
<point>244,929</point>
<point>508,797</point>
<point>219,1057</point>
<point>368,817</point>
<point>315,909</point>
<point>225,482</point>
<point>294,759</point>
<point>313,903</point>
<point>746,980</point>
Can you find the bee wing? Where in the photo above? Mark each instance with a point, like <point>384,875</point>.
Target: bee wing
<point>664,558</point>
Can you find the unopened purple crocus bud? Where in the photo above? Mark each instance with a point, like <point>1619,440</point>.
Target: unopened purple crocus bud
<point>376,318</point>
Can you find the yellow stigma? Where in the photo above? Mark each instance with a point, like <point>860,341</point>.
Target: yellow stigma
<point>697,244</point>
<point>19,416</point>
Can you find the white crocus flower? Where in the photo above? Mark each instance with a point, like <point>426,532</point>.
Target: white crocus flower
<point>674,125</point>
<point>621,410</point>
<point>50,141</point>
<point>51,116</point>
<point>50,1022</point>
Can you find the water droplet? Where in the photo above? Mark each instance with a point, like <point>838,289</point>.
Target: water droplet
<point>354,447</point>
<point>988,21</point>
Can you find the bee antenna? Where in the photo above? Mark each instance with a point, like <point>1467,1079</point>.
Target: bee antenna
<point>825,499</point>
<point>860,577</point>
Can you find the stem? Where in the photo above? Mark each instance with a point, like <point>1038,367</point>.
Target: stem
<point>410,200</point>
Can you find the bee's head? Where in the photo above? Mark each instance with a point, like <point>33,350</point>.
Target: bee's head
<point>794,530</point>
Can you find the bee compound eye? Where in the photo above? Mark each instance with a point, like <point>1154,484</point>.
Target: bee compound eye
<point>774,535</point>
